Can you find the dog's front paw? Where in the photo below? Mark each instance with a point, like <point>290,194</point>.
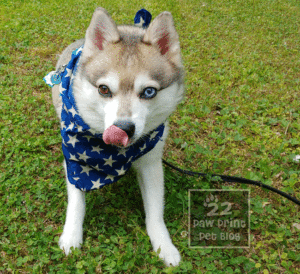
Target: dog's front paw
<point>68,240</point>
<point>170,254</point>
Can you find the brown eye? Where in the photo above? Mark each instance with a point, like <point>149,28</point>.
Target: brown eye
<point>104,91</point>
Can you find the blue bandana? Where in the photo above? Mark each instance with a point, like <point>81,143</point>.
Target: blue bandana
<point>92,164</point>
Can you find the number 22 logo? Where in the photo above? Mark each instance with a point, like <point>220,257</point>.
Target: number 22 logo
<point>212,202</point>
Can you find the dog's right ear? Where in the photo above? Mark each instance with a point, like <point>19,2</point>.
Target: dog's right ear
<point>162,34</point>
<point>101,31</point>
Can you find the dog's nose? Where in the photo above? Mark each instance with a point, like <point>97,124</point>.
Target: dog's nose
<point>128,127</point>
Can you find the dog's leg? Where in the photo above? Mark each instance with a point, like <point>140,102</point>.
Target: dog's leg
<point>151,180</point>
<point>72,234</point>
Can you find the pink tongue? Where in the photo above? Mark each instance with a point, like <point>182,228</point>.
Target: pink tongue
<point>116,136</point>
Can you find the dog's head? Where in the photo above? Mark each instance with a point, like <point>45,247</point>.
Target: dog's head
<point>129,79</point>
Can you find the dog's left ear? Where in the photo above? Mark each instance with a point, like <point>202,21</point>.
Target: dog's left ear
<point>162,33</point>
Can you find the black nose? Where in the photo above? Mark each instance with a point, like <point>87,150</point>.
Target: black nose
<point>128,127</point>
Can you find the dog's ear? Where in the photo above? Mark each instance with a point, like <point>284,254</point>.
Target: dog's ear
<point>162,33</point>
<point>101,31</point>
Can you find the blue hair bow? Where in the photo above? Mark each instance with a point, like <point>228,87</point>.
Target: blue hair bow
<point>142,18</point>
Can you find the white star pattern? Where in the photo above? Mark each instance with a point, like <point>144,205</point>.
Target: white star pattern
<point>110,177</point>
<point>153,135</point>
<point>72,140</point>
<point>92,131</point>
<point>72,157</point>
<point>130,159</point>
<point>83,156</point>
<point>69,72</point>
<point>63,141</point>
<point>63,125</point>
<point>73,111</point>
<point>109,161</point>
<point>122,152</point>
<point>121,171</point>
<point>88,137</point>
<point>96,184</point>
<point>96,149</point>
<point>61,89</point>
<point>79,128</point>
<point>66,109</point>
<point>86,169</point>
<point>143,148</point>
<point>70,127</point>
<point>140,24</point>
<point>97,167</point>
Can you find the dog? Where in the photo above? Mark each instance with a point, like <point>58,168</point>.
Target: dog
<point>126,82</point>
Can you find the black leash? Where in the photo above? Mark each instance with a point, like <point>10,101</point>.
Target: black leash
<point>231,179</point>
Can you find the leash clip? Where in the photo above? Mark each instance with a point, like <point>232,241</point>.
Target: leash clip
<point>56,77</point>
<point>61,69</point>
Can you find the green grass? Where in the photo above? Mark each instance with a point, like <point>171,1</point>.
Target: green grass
<point>240,117</point>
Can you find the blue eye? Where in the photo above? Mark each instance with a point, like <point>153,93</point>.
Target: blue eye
<point>148,93</point>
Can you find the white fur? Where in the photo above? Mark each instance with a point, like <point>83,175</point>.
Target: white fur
<point>111,80</point>
<point>72,234</point>
<point>143,81</point>
<point>160,107</point>
<point>89,104</point>
<point>100,113</point>
<point>151,180</point>
<point>110,110</point>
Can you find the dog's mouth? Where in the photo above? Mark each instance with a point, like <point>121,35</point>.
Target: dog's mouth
<point>120,134</point>
<point>114,135</point>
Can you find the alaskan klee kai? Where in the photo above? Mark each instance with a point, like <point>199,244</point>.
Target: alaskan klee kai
<point>120,85</point>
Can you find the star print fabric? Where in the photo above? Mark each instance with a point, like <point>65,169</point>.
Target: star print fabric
<point>92,164</point>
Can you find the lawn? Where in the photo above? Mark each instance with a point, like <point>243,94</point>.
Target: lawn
<point>240,117</point>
